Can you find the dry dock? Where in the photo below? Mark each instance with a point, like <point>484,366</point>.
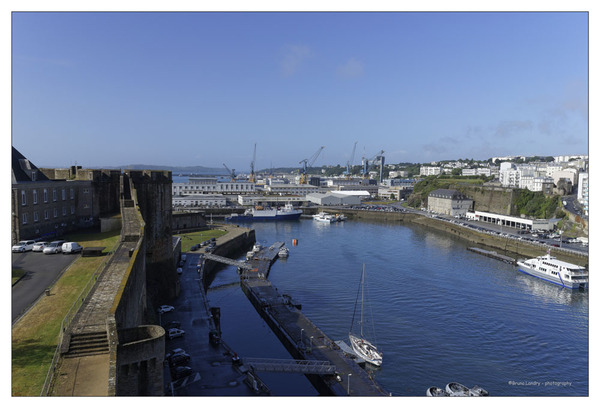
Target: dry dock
<point>300,336</point>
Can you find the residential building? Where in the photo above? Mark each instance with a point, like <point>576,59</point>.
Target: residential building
<point>449,202</point>
<point>430,171</point>
<point>583,191</point>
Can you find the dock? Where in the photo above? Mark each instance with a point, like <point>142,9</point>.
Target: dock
<point>303,340</point>
<point>494,255</point>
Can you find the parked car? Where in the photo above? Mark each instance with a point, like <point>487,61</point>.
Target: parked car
<point>23,246</point>
<point>183,257</point>
<point>179,359</point>
<point>174,333</point>
<point>179,271</point>
<point>174,324</point>
<point>165,309</point>
<point>173,352</point>
<point>180,372</point>
<point>39,246</point>
<point>71,248</point>
<point>53,247</point>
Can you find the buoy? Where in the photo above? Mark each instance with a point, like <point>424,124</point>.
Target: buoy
<point>294,242</point>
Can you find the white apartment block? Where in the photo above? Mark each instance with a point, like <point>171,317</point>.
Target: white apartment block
<point>205,185</point>
<point>583,191</point>
<point>291,189</point>
<point>200,200</point>
<point>430,171</point>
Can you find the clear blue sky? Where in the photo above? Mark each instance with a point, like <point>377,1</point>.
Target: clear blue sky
<point>111,89</point>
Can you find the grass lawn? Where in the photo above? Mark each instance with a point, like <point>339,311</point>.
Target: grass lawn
<point>190,239</point>
<point>35,336</point>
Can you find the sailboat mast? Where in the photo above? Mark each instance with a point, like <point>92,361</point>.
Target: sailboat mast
<point>362,301</point>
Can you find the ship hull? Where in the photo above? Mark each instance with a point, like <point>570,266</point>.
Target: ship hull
<point>548,278</point>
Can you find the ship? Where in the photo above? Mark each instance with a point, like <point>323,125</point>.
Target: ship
<point>287,213</point>
<point>552,270</point>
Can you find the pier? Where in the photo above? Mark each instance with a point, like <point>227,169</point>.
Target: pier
<point>303,340</point>
<point>494,255</point>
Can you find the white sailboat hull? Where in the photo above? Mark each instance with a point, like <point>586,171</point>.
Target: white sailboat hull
<point>366,350</point>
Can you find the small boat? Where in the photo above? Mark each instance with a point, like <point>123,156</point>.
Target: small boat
<point>257,247</point>
<point>477,391</point>
<point>362,347</point>
<point>284,252</point>
<point>340,217</point>
<point>324,217</point>
<point>436,392</point>
<point>457,390</point>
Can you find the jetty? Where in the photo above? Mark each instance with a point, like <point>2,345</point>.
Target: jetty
<point>327,367</point>
<point>494,255</point>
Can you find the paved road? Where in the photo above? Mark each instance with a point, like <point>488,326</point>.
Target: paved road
<point>42,270</point>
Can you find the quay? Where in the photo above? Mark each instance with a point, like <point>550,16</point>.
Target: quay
<point>302,339</point>
<point>494,255</point>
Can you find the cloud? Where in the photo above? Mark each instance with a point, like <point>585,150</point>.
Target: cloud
<point>294,56</point>
<point>353,68</point>
<point>510,128</point>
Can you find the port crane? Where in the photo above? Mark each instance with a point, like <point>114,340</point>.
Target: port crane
<point>231,172</point>
<point>306,163</point>
<point>379,159</point>
<point>350,163</point>
<point>252,178</point>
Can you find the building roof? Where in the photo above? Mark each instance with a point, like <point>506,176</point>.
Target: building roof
<point>23,170</point>
<point>449,194</point>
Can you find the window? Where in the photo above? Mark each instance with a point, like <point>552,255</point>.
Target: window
<point>45,195</point>
<point>72,194</point>
<point>64,211</point>
<point>53,194</point>
<point>64,194</point>
<point>23,198</point>
<point>72,209</point>
<point>24,218</point>
<point>36,216</point>
<point>46,214</point>
<point>55,212</point>
<point>35,196</point>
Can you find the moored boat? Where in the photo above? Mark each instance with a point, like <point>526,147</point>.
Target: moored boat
<point>555,271</point>
<point>477,391</point>
<point>284,252</point>
<point>287,213</point>
<point>436,392</point>
<point>457,390</point>
<point>324,217</point>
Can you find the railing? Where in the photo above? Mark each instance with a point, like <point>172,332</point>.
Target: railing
<point>71,314</point>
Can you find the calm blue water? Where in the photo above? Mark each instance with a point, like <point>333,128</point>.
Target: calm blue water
<point>440,312</point>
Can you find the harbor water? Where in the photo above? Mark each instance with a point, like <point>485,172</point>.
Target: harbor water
<point>440,313</point>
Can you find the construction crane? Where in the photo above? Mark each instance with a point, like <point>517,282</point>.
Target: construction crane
<point>376,159</point>
<point>306,163</point>
<point>350,163</point>
<point>252,178</point>
<point>231,172</point>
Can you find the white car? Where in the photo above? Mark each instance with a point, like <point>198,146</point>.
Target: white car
<point>23,246</point>
<point>39,246</point>
<point>71,248</point>
<point>165,309</point>
<point>173,333</point>
<point>54,247</point>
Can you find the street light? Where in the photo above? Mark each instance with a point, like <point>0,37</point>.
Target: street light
<point>349,375</point>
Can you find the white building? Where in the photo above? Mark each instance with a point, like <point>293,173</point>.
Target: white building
<point>200,200</point>
<point>511,221</point>
<point>583,191</point>
<point>334,198</point>
<point>273,201</point>
<point>430,171</point>
<point>291,189</point>
<point>569,173</point>
<point>202,185</point>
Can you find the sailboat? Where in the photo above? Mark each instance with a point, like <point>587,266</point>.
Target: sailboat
<point>361,346</point>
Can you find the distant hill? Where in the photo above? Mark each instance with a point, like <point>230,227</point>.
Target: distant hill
<point>176,169</point>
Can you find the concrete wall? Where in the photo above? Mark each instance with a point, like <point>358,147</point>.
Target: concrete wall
<point>189,221</point>
<point>496,200</point>
<point>238,245</point>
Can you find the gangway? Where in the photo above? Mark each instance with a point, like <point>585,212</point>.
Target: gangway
<point>228,261</point>
<point>290,366</point>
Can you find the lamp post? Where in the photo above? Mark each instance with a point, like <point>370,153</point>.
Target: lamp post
<point>349,375</point>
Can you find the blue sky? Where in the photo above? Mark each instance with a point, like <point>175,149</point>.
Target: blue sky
<point>111,89</point>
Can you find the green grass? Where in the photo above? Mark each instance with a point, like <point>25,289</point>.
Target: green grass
<point>35,336</point>
<point>190,239</point>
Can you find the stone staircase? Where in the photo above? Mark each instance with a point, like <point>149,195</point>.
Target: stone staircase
<point>87,344</point>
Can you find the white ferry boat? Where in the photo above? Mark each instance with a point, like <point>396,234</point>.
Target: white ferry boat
<point>550,269</point>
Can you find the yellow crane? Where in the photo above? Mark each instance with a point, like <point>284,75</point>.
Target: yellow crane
<point>306,163</point>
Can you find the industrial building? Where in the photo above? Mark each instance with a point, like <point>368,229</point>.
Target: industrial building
<point>335,198</point>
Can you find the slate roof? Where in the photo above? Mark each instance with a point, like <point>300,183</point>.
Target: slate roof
<point>446,193</point>
<point>23,170</point>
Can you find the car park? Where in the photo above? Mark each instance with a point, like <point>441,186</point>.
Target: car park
<point>53,247</point>
<point>23,246</point>
<point>174,333</point>
<point>39,246</point>
<point>71,248</point>
<point>165,309</point>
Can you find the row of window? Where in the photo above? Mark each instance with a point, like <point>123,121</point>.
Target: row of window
<point>36,216</point>
<point>221,187</point>
<point>45,195</point>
